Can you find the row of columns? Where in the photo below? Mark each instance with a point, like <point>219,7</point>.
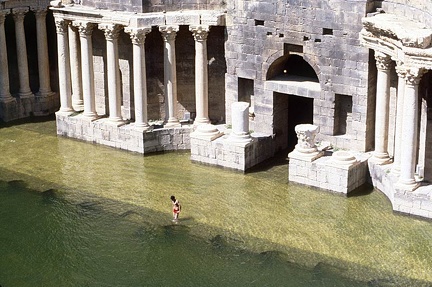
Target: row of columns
<point>407,122</point>
<point>18,15</point>
<point>77,81</point>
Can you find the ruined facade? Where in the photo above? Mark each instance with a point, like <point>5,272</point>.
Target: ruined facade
<point>151,76</point>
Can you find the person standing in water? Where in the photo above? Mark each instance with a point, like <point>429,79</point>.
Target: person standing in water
<point>176,207</point>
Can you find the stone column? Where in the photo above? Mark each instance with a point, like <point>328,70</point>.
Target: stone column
<point>63,66</point>
<point>75,64</point>
<point>114,93</point>
<point>42,49</point>
<point>85,30</point>
<point>410,130</point>
<point>23,72</point>
<point>5,95</point>
<point>200,34</point>
<point>170,73</point>
<point>401,72</point>
<point>139,76</point>
<point>380,155</point>
<point>240,122</point>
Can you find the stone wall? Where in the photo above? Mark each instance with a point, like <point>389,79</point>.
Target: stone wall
<point>326,36</point>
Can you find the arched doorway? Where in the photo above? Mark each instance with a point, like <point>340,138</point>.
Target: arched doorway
<point>295,85</point>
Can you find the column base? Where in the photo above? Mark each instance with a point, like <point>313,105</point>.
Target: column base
<point>7,99</point>
<point>199,121</point>
<point>395,170</point>
<point>90,116</point>
<point>78,105</point>
<point>113,122</point>
<point>309,157</point>
<point>26,95</point>
<point>142,127</point>
<point>239,138</point>
<point>407,185</point>
<point>172,123</point>
<point>380,158</point>
<point>64,112</point>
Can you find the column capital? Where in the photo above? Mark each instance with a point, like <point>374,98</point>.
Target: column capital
<point>84,28</point>
<point>19,13</point>
<point>200,32</point>
<point>39,12</point>
<point>137,35</point>
<point>413,75</point>
<point>401,69</point>
<point>111,31</point>
<point>3,14</point>
<point>383,61</point>
<point>168,32</point>
<point>61,25</point>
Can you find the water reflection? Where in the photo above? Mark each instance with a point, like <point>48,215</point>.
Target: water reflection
<point>103,214</point>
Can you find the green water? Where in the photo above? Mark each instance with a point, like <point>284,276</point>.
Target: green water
<point>77,214</point>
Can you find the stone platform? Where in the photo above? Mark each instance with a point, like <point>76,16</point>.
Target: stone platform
<point>123,135</point>
<point>417,202</point>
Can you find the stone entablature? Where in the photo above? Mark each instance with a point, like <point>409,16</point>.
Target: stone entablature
<point>138,20</point>
<point>409,34</point>
<point>411,47</point>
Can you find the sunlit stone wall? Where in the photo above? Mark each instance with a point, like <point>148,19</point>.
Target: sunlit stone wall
<point>325,34</point>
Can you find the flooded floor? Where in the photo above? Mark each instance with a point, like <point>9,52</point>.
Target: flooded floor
<point>77,214</point>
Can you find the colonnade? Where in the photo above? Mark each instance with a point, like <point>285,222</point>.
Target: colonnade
<point>407,121</point>
<point>77,73</point>
<point>24,92</point>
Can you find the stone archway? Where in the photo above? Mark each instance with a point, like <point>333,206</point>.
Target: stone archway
<point>294,84</point>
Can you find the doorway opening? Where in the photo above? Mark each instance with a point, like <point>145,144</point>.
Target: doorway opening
<point>289,111</point>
